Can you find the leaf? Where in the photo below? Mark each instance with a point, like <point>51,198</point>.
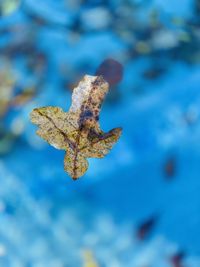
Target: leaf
<point>78,131</point>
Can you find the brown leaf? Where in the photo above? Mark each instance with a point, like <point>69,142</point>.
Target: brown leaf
<point>78,131</point>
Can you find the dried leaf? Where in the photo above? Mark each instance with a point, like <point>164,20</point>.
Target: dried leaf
<point>78,131</point>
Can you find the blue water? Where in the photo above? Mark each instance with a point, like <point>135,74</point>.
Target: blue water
<point>46,219</point>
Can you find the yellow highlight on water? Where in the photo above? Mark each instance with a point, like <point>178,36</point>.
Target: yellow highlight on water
<point>7,7</point>
<point>89,260</point>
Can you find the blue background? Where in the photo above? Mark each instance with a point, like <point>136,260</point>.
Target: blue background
<point>47,219</point>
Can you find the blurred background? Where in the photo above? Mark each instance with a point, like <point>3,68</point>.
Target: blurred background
<point>140,205</point>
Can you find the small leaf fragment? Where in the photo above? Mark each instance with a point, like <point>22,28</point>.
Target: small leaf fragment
<point>78,131</point>
<point>75,164</point>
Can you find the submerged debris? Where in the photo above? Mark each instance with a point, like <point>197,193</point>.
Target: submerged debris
<point>177,259</point>
<point>89,260</point>
<point>111,70</point>
<point>146,227</point>
<point>9,97</point>
<point>7,83</point>
<point>78,131</point>
<point>7,140</point>
<point>8,6</point>
<point>170,167</point>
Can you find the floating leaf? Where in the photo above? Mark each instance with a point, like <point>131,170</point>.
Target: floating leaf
<point>78,131</point>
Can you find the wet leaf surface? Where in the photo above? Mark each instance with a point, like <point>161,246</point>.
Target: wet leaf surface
<point>78,131</point>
